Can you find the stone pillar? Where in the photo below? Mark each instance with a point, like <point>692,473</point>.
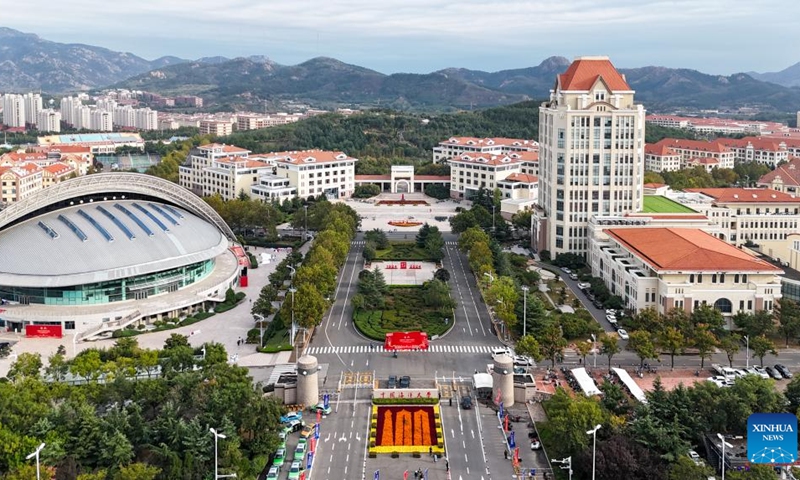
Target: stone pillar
<point>307,384</point>
<point>503,380</point>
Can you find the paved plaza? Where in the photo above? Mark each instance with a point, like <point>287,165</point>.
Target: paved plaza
<point>379,216</point>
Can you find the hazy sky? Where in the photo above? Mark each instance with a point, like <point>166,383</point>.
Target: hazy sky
<point>714,36</point>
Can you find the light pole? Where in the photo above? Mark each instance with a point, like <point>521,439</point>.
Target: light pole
<point>593,433</point>
<point>491,277</point>
<point>722,439</point>
<point>217,436</point>
<point>36,454</point>
<point>594,349</point>
<point>747,350</point>
<point>525,289</point>
<point>305,219</point>
<point>260,319</point>
<point>567,462</point>
<point>493,206</point>
<point>294,327</point>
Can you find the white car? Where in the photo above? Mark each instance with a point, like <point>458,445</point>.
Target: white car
<point>566,270</point>
<point>523,361</point>
<point>623,334</point>
<point>695,457</point>
<point>611,319</point>
<point>611,311</point>
<point>496,352</point>
<point>761,372</point>
<point>720,381</point>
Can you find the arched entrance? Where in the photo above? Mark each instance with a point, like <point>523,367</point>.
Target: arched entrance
<point>402,186</point>
<point>723,305</point>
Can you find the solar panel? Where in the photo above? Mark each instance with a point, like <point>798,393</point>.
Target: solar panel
<point>96,225</point>
<point>174,211</point>
<point>53,234</point>
<point>151,216</point>
<point>75,229</point>
<point>163,213</point>
<point>134,218</point>
<point>117,222</point>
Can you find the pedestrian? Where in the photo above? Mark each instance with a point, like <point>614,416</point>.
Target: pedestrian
<point>580,361</point>
<point>505,454</point>
<point>447,465</point>
<point>451,401</point>
<point>435,458</point>
<point>430,451</point>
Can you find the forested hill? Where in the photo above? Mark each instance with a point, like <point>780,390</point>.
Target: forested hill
<point>386,137</point>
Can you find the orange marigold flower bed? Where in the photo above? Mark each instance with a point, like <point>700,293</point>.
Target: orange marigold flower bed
<point>386,433</point>
<point>407,425</point>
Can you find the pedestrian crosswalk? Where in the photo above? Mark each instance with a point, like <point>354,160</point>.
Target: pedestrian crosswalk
<point>359,242</point>
<point>379,349</point>
<point>451,244</point>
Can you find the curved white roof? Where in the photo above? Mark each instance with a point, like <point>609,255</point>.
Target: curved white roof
<point>101,241</point>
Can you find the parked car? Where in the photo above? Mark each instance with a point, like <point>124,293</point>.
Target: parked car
<point>523,361</point>
<point>695,457</point>
<point>760,371</point>
<point>291,416</point>
<point>573,276</point>
<point>392,383</point>
<point>282,439</point>
<point>623,334</point>
<point>566,270</point>
<point>597,304</point>
<point>292,426</point>
<point>535,444</point>
<point>320,407</point>
<point>307,431</point>
<point>294,471</point>
<point>784,371</point>
<point>773,373</point>
<point>496,352</point>
<point>611,319</point>
<point>299,453</point>
<point>273,473</point>
<point>519,370</point>
<point>405,382</point>
<point>611,311</point>
<point>720,381</point>
<point>280,458</point>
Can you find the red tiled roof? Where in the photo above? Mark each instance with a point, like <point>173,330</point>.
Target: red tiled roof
<point>745,195</point>
<point>313,156</point>
<point>703,161</point>
<point>654,185</point>
<point>58,168</point>
<point>248,163</point>
<point>687,249</point>
<point>758,143</point>
<point>584,72</point>
<point>490,142</point>
<point>658,149</point>
<point>433,178</point>
<point>526,156</point>
<point>699,145</point>
<point>521,177</point>
<point>225,148</point>
<point>789,173</point>
<point>369,178</point>
<point>485,159</point>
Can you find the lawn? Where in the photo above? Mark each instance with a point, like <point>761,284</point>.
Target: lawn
<point>403,251</point>
<point>659,204</point>
<point>404,312</point>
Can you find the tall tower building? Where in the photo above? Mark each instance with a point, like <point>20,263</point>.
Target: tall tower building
<point>591,154</point>
<point>33,105</point>
<point>13,110</point>
<point>48,120</point>
<point>69,107</point>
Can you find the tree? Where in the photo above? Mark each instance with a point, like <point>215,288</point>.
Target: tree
<point>584,348</point>
<point>263,304</point>
<point>470,237</point>
<point>756,472</point>
<point>730,344</point>
<point>641,342</point>
<point>463,221</point>
<point>57,367</point>
<point>522,220</point>
<point>709,316</point>
<point>125,347</point>
<point>27,365</point>
<point>366,191</point>
<point>369,252</point>
<point>442,274</point>
<point>793,393</point>
<point>309,306</point>
<point>761,346</point>
<point>378,237</point>
<point>686,469</point>
<point>788,313</point>
<point>552,343</point>
<point>436,294</point>
<point>571,417</point>
<point>705,342</point>
<point>502,295</point>
<point>620,457</point>
<point>528,346</point>
<point>137,471</point>
<point>434,245</point>
<point>754,324</point>
<point>609,347</point>
<point>176,340</point>
<point>422,235</point>
<point>673,342</point>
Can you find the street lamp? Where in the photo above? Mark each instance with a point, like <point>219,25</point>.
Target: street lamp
<point>305,218</point>
<point>217,436</point>
<point>294,327</point>
<point>747,350</point>
<point>525,289</point>
<point>724,443</point>
<point>491,277</point>
<point>593,433</point>
<point>36,454</point>
<point>260,319</point>
<point>567,462</point>
<point>594,349</point>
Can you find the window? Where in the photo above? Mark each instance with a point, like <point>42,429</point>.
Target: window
<point>723,305</point>
<point>691,278</point>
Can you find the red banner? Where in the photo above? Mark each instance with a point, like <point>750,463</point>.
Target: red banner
<point>43,331</point>
<point>406,341</point>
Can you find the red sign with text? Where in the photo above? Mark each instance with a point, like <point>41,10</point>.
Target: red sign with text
<point>43,331</point>
<point>406,341</point>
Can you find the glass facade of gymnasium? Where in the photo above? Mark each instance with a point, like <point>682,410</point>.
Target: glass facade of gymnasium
<point>132,288</point>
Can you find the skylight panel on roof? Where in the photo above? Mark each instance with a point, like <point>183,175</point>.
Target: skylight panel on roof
<point>163,213</point>
<point>134,218</point>
<point>53,234</point>
<point>117,222</point>
<point>151,216</point>
<point>96,225</point>
<point>75,229</point>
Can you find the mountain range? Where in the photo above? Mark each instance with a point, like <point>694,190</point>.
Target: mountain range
<point>28,62</point>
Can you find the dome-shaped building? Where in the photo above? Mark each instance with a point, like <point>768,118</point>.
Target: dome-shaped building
<point>103,251</point>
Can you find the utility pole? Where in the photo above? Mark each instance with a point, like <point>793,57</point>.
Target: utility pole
<point>525,289</point>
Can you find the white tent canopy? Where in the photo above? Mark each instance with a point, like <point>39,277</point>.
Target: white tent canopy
<point>585,381</point>
<point>482,380</point>
<point>635,390</point>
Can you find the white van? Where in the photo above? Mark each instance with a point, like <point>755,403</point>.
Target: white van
<point>497,351</point>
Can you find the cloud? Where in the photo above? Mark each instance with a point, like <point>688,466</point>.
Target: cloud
<point>365,30</point>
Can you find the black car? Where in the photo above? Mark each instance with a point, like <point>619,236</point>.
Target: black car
<point>784,371</point>
<point>405,382</point>
<point>466,402</point>
<point>392,381</point>
<point>773,373</point>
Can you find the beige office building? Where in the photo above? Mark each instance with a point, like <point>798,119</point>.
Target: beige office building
<point>316,172</point>
<point>591,154</point>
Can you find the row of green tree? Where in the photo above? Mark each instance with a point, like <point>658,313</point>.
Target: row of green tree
<point>744,173</point>
<point>128,413</point>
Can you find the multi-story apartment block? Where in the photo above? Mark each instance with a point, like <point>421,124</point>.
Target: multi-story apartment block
<point>708,163</point>
<point>768,151</point>
<point>33,105</point>
<point>254,122</point>
<point>56,172</point>
<point>666,268</point>
<point>13,110</point>
<point>101,121</point>
<point>661,158</point>
<point>218,128</point>
<point>49,120</point>
<point>273,188</point>
<point>68,108</point>
<point>229,177</point>
<point>785,178</point>
<point>19,182</point>
<point>471,172</point>
<point>689,149</point>
<point>189,101</point>
<point>316,172</point>
<point>713,125</point>
<point>146,119</point>
<point>457,146</point>
<point>591,154</point>
<point>191,175</point>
